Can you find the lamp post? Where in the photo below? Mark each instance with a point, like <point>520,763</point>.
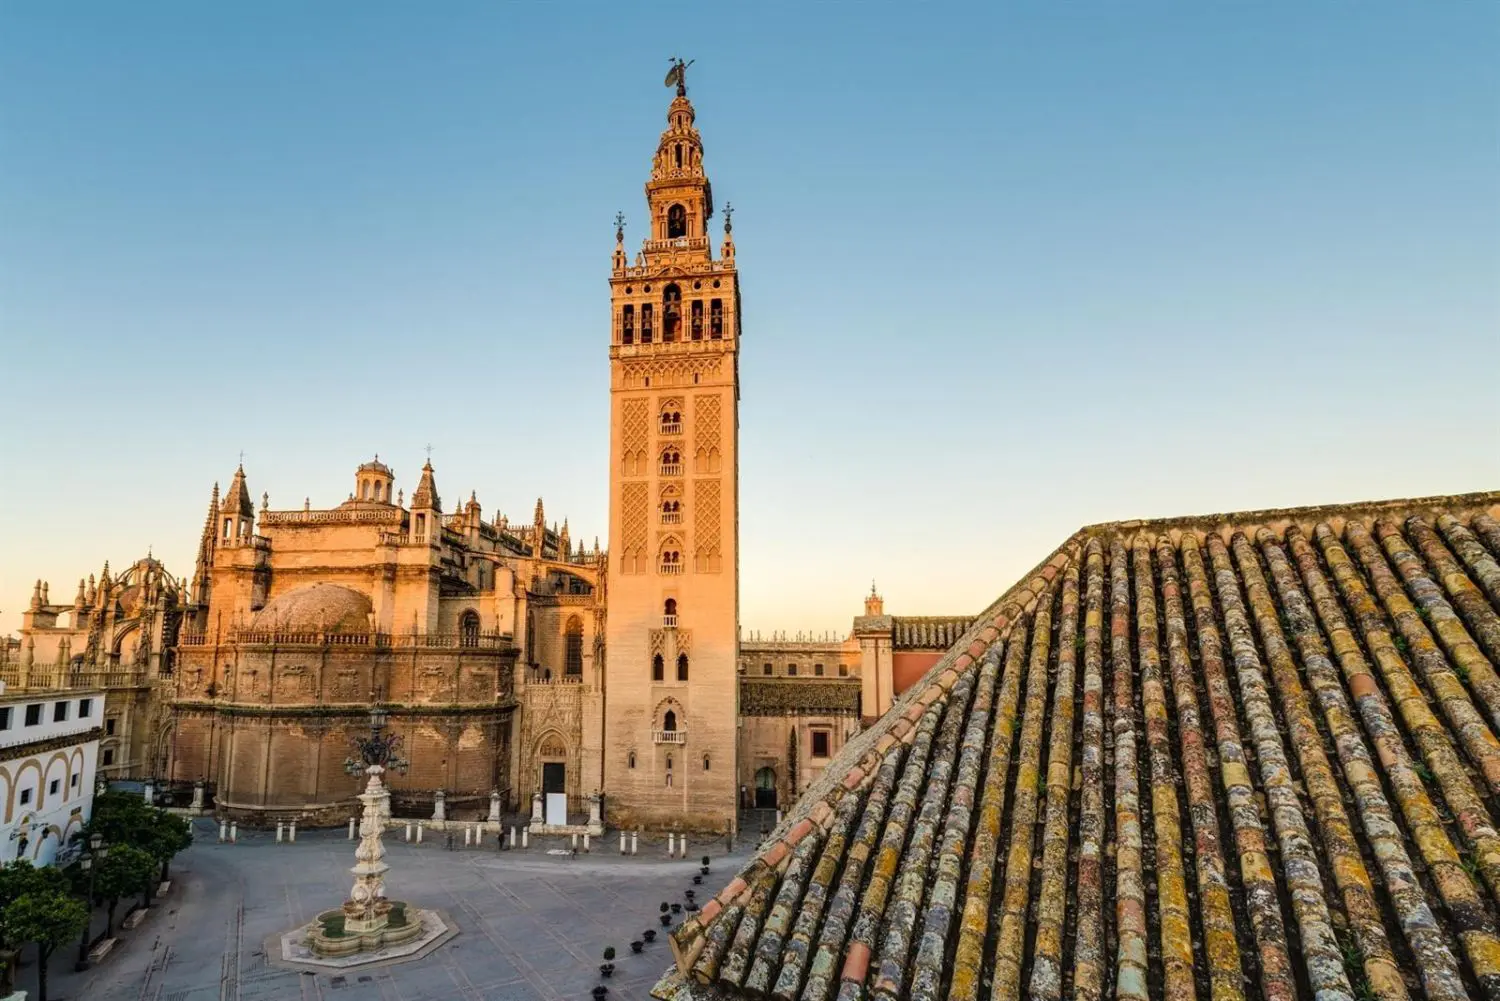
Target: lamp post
<point>96,851</point>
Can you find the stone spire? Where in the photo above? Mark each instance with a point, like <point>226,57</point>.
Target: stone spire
<point>563,547</point>
<point>238,509</point>
<point>426,496</point>
<point>80,601</point>
<point>237,501</point>
<point>36,596</point>
<point>207,544</point>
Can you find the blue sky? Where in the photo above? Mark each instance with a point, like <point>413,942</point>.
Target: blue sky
<point>1007,269</point>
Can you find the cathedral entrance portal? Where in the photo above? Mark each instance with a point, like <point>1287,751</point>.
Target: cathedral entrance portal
<point>765,789</point>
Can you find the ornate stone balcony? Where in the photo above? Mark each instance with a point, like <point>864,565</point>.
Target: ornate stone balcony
<point>669,736</point>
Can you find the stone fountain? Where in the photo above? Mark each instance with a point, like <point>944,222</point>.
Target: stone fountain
<point>369,927</point>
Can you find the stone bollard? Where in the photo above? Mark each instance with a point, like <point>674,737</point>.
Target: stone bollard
<point>585,842</point>
<point>671,844</point>
<point>223,830</point>
<point>622,843</point>
<point>468,837</point>
<point>279,827</point>
<point>478,835</point>
<point>408,831</point>
<point>573,841</point>
<point>234,833</point>
<point>419,832</point>
<point>291,833</point>
<point>525,837</point>
<point>351,828</point>
<point>635,842</point>
<point>513,837</point>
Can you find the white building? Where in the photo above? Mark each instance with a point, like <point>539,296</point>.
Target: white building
<point>49,750</point>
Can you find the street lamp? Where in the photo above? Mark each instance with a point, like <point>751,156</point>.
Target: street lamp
<point>96,851</point>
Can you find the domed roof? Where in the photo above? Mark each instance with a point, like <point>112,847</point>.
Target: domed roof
<point>324,608</point>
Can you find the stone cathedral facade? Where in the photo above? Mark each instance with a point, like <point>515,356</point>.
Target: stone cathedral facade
<point>511,659</point>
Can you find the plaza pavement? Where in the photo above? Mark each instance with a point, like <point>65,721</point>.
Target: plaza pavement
<point>532,926</point>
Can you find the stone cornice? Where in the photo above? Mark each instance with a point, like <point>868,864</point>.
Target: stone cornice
<point>51,743</point>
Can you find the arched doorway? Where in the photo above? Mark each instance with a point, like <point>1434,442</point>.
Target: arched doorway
<point>765,789</point>
<point>552,755</point>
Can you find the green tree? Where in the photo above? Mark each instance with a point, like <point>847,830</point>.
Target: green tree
<point>126,819</point>
<point>169,834</point>
<point>119,816</point>
<point>125,870</point>
<point>17,880</point>
<point>49,918</point>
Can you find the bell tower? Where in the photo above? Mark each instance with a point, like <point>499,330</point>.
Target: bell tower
<point>672,688</point>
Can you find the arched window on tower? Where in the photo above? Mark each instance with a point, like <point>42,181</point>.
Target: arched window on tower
<point>671,421</point>
<point>669,768</point>
<point>716,319</point>
<point>630,760</point>
<point>671,313</point>
<point>658,669</point>
<point>671,462</point>
<point>677,215</point>
<point>627,325</point>
<point>697,319</point>
<point>671,511</point>
<point>468,628</point>
<point>669,724</point>
<point>669,614</point>
<point>573,662</point>
<point>646,323</point>
<point>682,665</point>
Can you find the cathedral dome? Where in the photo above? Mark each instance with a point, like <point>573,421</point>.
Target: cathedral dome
<point>316,608</point>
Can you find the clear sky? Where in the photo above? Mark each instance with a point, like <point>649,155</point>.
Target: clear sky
<point>1007,269</point>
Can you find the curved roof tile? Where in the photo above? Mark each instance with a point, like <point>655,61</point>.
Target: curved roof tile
<point>1277,730</point>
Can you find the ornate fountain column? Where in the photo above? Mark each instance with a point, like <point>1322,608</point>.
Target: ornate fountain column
<point>366,910</point>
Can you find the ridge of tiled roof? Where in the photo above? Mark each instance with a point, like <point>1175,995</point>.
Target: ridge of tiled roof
<point>1238,755</point>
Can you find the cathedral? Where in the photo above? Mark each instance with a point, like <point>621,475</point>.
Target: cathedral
<point>513,662</point>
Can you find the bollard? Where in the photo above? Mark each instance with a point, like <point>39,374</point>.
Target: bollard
<point>513,837</point>
<point>525,837</point>
<point>573,841</point>
<point>234,833</point>
<point>351,828</point>
<point>635,842</point>
<point>223,830</point>
<point>278,831</point>
<point>622,842</point>
<point>291,834</point>
<point>585,842</point>
<point>408,830</point>
<point>419,832</point>
<point>671,844</point>
<point>478,835</point>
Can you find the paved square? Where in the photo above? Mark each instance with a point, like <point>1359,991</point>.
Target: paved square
<point>531,926</point>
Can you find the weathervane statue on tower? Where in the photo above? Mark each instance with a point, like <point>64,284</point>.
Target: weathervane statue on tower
<point>678,75</point>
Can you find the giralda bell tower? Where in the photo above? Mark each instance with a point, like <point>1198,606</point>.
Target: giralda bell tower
<point>671,686</point>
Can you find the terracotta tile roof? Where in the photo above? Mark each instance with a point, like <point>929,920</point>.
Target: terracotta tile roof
<point>1230,757</point>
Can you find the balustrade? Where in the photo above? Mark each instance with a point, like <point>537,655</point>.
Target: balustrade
<point>670,736</point>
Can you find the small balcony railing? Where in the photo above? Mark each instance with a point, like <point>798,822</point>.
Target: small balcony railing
<point>671,517</point>
<point>670,736</point>
<point>669,622</point>
<point>675,428</point>
<point>671,469</point>
<point>671,569</point>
